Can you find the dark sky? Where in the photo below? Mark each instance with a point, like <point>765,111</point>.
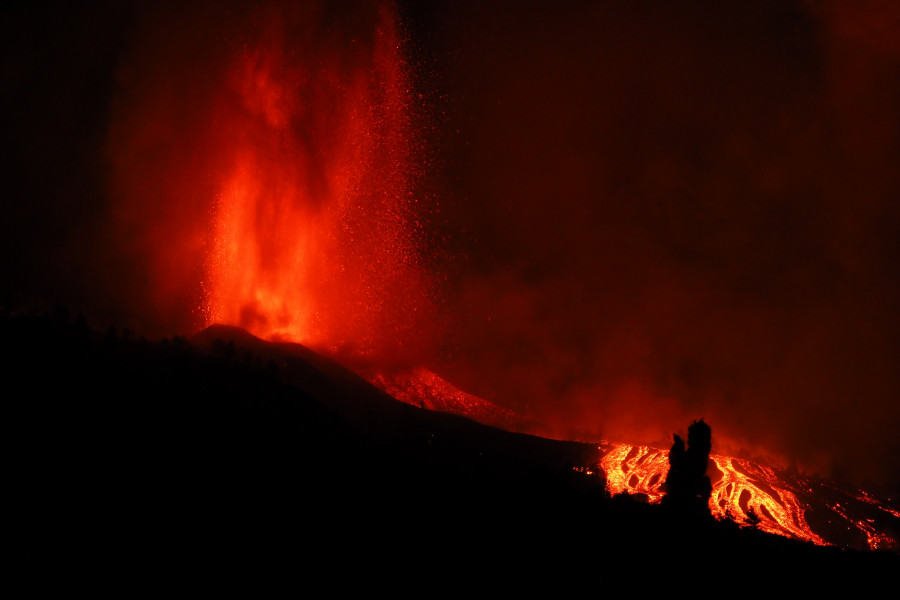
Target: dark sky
<point>679,210</point>
<point>641,212</point>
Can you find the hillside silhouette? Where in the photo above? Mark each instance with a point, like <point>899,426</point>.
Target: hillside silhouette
<point>137,459</point>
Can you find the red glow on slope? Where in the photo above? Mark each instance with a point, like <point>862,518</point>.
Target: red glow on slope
<point>313,235</point>
<point>420,387</point>
<point>748,492</point>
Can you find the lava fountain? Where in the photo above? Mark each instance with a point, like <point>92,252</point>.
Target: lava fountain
<point>283,199</point>
<point>313,230</point>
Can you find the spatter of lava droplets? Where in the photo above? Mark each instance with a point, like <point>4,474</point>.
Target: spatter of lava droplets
<point>314,236</point>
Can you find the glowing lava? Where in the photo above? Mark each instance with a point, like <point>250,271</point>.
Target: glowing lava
<point>313,235</point>
<point>748,493</point>
<point>745,491</point>
<point>740,488</point>
<point>422,388</point>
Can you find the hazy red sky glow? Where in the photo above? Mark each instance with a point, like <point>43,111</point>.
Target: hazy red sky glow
<point>618,217</point>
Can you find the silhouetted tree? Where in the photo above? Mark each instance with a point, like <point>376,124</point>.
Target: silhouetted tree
<point>687,484</point>
<point>752,518</point>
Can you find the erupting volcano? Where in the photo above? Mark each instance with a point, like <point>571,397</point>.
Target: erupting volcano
<point>314,236</point>
<point>288,193</point>
<point>585,223</point>
<point>291,203</point>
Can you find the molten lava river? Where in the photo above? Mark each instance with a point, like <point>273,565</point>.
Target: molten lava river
<point>750,493</point>
<point>775,500</point>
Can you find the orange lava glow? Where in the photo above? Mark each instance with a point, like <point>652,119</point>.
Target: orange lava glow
<point>747,488</point>
<point>636,470</point>
<point>420,387</point>
<point>743,490</point>
<point>314,239</point>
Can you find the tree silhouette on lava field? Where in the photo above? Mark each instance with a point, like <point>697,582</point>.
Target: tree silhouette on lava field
<point>687,485</point>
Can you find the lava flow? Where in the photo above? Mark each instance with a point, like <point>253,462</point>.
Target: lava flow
<point>748,492</point>
<point>742,490</point>
<point>751,493</point>
<point>420,387</point>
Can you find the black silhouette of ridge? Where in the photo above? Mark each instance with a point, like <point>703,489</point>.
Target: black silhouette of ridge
<point>141,461</point>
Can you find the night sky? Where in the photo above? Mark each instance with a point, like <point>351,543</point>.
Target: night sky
<point>638,213</point>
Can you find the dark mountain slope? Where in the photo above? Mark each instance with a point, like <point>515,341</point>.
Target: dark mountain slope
<point>147,461</point>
